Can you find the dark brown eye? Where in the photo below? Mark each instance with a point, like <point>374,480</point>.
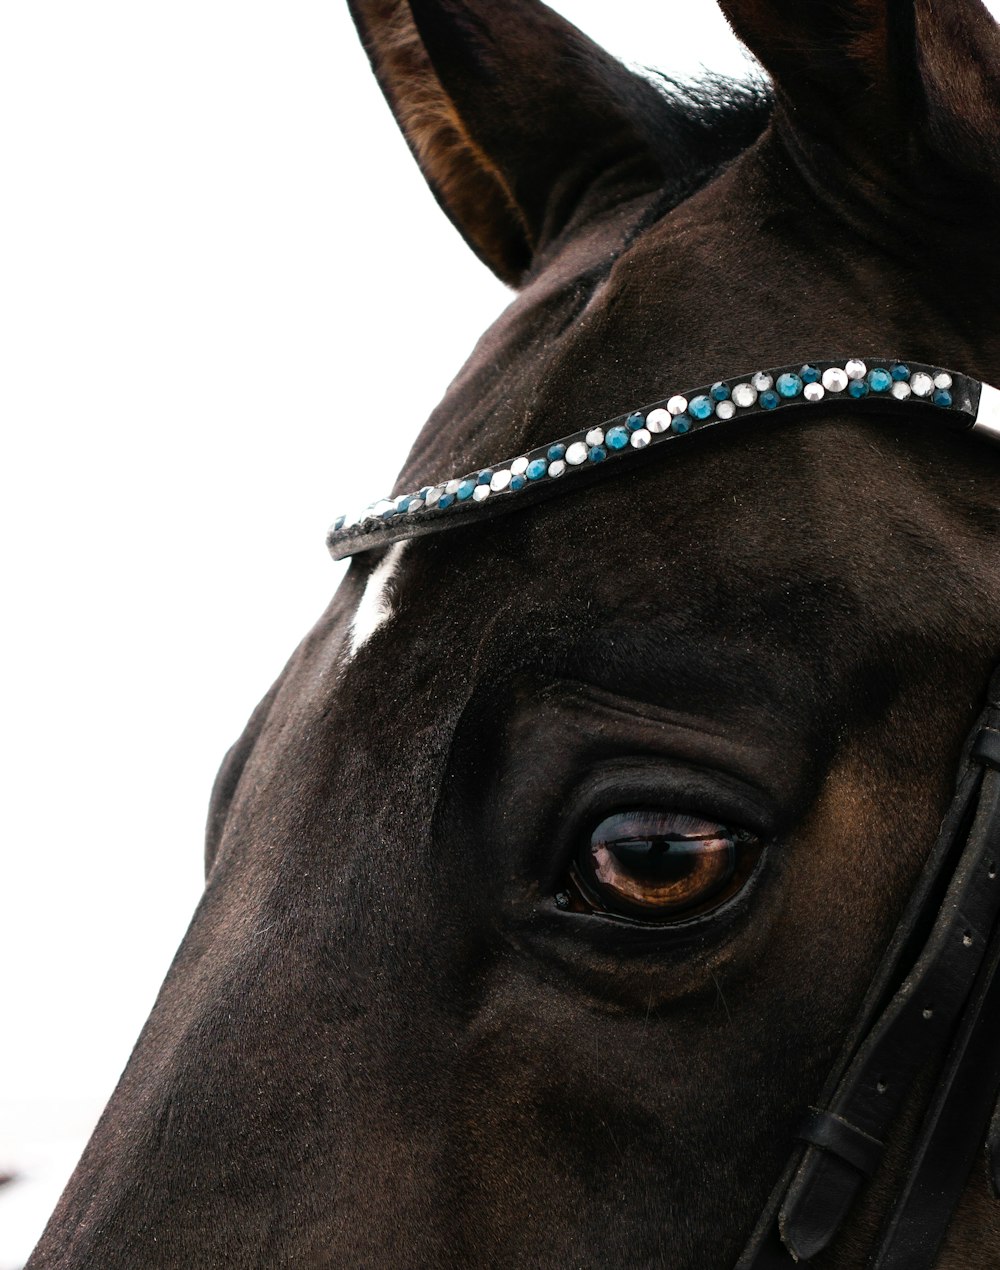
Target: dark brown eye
<point>658,865</point>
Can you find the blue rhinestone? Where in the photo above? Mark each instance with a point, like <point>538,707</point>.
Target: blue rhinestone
<point>942,397</point>
<point>339,523</point>
<point>789,384</point>
<point>879,380</point>
<point>403,504</point>
<point>700,407</point>
<point>536,469</point>
<point>617,438</point>
<point>446,500</point>
<point>389,513</point>
<point>597,454</point>
<point>556,452</point>
<point>857,388</point>
<point>485,476</point>
<point>769,400</point>
<point>900,372</point>
<point>464,491</point>
<point>517,482</point>
<point>809,374</point>
<point>635,421</point>
<point>680,423</point>
<point>719,391</point>
<point>424,492</point>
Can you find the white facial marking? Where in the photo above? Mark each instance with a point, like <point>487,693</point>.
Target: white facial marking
<point>376,604</point>
<point>988,419</point>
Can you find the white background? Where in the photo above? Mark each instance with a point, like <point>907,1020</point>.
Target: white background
<point>218,263</point>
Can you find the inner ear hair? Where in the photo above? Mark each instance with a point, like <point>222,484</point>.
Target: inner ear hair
<point>522,126</point>
<point>469,187</point>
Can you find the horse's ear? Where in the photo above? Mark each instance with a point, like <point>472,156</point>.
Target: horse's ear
<point>520,123</point>
<point>884,81</point>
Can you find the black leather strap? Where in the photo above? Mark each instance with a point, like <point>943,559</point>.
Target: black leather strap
<point>952,1132</point>
<point>915,1030</point>
<point>986,749</point>
<point>927,995</point>
<point>846,1141</point>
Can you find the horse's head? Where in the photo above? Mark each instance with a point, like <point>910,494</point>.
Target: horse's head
<point>442,1003</point>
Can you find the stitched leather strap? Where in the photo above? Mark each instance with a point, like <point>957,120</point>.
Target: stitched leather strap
<point>952,1132</point>
<point>926,995</point>
<point>913,1032</point>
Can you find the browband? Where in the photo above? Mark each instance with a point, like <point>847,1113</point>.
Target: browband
<point>961,402</point>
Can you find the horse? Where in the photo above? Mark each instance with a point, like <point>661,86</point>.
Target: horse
<point>547,887</point>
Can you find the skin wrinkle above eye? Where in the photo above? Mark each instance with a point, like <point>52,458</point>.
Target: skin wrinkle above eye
<point>601,750</point>
<point>618,726</point>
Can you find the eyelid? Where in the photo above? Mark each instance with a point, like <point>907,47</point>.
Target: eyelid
<point>673,822</point>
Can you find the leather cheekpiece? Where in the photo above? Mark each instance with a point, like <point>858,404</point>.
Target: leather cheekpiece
<point>843,1139</point>
<point>986,748</point>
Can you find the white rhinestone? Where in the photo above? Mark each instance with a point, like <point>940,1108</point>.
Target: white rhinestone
<point>415,505</point>
<point>577,453</point>
<point>433,494</point>
<point>725,409</point>
<point>921,383</point>
<point>640,438</point>
<point>519,467</point>
<point>481,493</point>
<point>380,508</point>
<point>557,467</point>
<point>900,389</point>
<point>855,369</point>
<point>658,420</point>
<point>452,486</point>
<point>500,480</point>
<point>677,405</point>
<point>813,392</point>
<point>595,436</point>
<point>943,380</point>
<point>762,381</point>
<point>744,395</point>
<point>834,379</point>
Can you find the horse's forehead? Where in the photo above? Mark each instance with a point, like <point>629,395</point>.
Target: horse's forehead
<point>740,544</point>
<point>648,304</point>
<point>691,546</point>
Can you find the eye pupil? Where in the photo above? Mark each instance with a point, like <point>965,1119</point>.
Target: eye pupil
<point>659,865</point>
<point>664,859</point>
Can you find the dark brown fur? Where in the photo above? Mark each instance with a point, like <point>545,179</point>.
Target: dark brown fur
<point>380,1045</point>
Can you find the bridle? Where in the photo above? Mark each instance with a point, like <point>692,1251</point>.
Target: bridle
<point>933,1005</point>
<point>951,399</point>
<point>934,1002</point>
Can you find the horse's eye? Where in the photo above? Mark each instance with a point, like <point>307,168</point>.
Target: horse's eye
<point>660,866</point>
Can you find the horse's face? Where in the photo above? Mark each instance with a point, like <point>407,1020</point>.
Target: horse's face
<point>389,1039</point>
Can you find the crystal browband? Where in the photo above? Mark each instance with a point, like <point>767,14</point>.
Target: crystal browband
<point>960,401</point>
